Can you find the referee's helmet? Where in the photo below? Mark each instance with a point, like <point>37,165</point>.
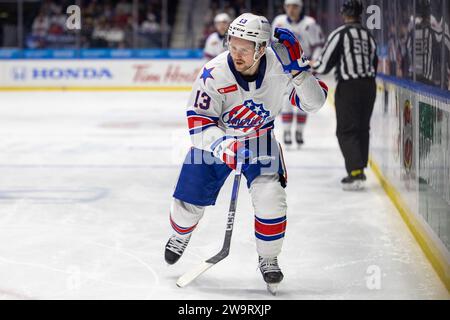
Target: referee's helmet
<point>352,8</point>
<point>423,8</point>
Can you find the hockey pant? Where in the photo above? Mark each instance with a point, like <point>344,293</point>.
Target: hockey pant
<point>354,105</point>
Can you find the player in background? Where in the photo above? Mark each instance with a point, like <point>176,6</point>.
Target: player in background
<point>310,35</point>
<point>214,43</point>
<point>230,115</point>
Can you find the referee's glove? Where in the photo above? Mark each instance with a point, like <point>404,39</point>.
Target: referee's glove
<point>289,51</point>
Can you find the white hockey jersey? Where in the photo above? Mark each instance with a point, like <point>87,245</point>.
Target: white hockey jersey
<point>213,46</point>
<point>308,32</point>
<point>223,105</point>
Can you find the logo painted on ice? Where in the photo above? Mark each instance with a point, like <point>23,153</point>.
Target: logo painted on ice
<point>246,116</point>
<point>373,279</point>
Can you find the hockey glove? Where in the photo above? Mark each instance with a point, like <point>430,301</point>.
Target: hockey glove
<point>289,51</point>
<point>229,153</point>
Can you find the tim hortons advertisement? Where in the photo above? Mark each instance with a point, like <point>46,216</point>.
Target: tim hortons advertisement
<point>99,73</point>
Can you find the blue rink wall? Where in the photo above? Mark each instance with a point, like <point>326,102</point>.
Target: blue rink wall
<point>410,141</point>
<point>410,154</point>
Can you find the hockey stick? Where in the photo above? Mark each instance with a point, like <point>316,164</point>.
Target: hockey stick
<point>192,274</point>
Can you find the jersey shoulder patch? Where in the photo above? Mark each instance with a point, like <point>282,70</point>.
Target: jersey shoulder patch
<point>228,89</point>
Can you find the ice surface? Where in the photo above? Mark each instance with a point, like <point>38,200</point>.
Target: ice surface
<point>85,187</point>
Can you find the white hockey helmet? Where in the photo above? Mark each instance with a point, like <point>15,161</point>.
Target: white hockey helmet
<point>253,28</point>
<point>222,17</point>
<point>295,2</point>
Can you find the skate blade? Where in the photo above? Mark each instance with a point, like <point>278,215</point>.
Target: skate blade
<point>272,288</point>
<point>355,186</point>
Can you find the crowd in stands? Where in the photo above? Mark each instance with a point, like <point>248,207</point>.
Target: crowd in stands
<point>105,24</point>
<point>111,23</point>
<point>234,8</point>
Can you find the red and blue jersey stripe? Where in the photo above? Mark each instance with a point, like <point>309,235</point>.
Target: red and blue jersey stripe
<point>295,101</point>
<point>199,122</point>
<point>270,229</point>
<point>323,86</point>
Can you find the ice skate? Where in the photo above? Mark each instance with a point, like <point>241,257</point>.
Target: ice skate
<point>354,181</point>
<point>271,273</point>
<point>287,138</point>
<point>299,138</point>
<point>175,248</point>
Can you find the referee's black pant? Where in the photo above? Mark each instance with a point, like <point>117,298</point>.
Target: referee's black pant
<point>354,101</point>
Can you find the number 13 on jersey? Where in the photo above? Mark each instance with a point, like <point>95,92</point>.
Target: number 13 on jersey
<point>202,100</point>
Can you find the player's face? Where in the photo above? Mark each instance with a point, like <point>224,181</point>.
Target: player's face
<point>221,27</point>
<point>292,11</point>
<point>242,52</point>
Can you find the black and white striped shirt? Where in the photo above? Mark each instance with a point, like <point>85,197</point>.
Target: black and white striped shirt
<point>426,51</point>
<point>352,50</point>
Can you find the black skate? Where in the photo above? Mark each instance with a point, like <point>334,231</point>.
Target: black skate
<point>271,273</point>
<point>299,138</point>
<point>287,138</point>
<point>354,181</point>
<point>175,248</point>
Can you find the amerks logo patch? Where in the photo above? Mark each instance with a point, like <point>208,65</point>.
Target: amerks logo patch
<point>249,115</point>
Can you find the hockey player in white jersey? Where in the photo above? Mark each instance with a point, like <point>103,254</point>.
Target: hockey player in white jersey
<point>230,115</point>
<point>214,43</point>
<point>311,37</point>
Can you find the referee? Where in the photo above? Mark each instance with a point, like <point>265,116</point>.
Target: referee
<point>351,50</point>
